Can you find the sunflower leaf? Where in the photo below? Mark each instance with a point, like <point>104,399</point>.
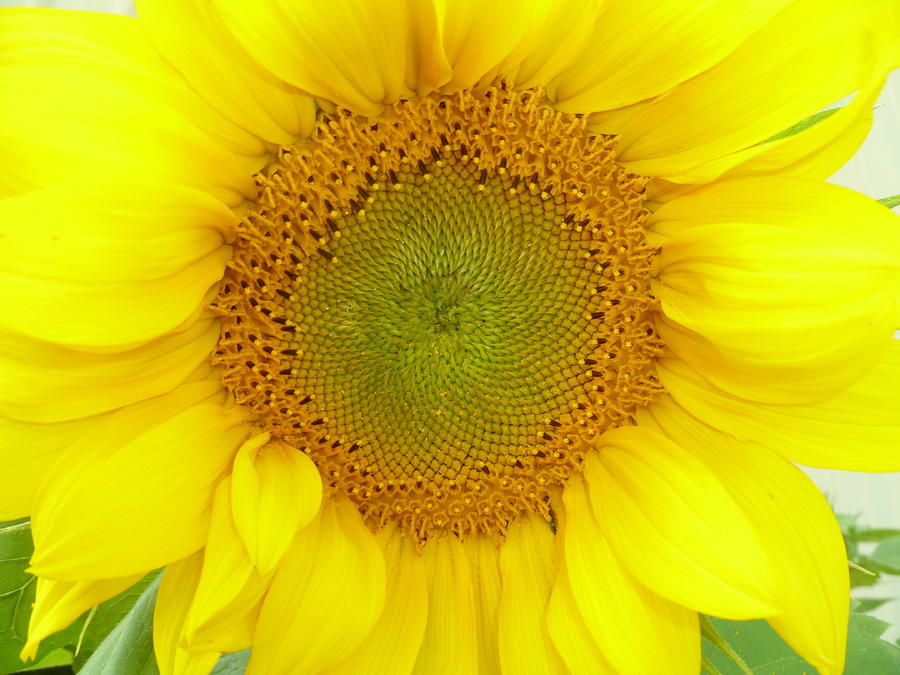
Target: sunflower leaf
<point>232,664</point>
<point>128,649</point>
<point>887,555</point>
<point>891,202</point>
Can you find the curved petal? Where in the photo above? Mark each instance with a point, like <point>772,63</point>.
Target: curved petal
<point>621,615</point>
<point>858,429</point>
<point>393,644</point>
<point>229,589</point>
<point>43,382</point>
<point>764,86</point>
<point>795,525</point>
<point>172,601</point>
<point>325,597</point>
<point>787,295</point>
<point>642,48</point>
<point>450,644</point>
<point>359,55</point>
<point>112,264</point>
<point>676,528</point>
<point>483,553</point>
<point>276,491</point>
<point>529,562</point>
<point>59,603</point>
<point>26,451</point>
<point>194,39</point>
<point>135,493</point>
<point>94,100</point>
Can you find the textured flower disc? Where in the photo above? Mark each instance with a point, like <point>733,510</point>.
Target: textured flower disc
<point>443,334</point>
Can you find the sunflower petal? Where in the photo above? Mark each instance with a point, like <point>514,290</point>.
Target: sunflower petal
<point>757,91</point>
<point>229,589</point>
<point>135,493</point>
<point>794,524</point>
<point>450,644</point>
<point>394,642</point>
<point>858,429</point>
<point>529,562</point>
<point>94,100</point>
<point>335,562</point>
<point>355,54</point>
<point>484,567</point>
<point>696,534</point>
<point>59,603</point>
<point>172,602</point>
<point>779,283</point>
<point>642,48</point>
<point>622,616</point>
<point>277,490</point>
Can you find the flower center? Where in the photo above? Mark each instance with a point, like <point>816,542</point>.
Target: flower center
<point>443,307</point>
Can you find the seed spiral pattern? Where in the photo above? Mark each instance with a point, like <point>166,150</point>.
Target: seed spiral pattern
<point>444,308</point>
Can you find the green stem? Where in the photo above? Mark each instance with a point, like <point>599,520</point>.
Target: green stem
<point>709,631</point>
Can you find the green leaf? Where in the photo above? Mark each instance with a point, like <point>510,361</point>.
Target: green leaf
<point>876,533</point>
<point>863,605</point>
<point>887,555</point>
<point>128,649</point>
<point>232,664</point>
<point>890,202</point>
<point>766,653</point>
<point>803,125</point>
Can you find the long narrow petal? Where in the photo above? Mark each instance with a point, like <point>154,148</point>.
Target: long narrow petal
<point>450,644</point>
<point>276,491</point>
<point>325,597</point>
<point>195,40</point>
<point>858,429</point>
<point>676,528</point>
<point>172,602</point>
<point>135,493</point>
<point>59,603</point>
<point>355,54</point>
<point>766,85</point>
<point>93,99</point>
<point>621,615</point>
<point>483,553</point>
<point>795,525</point>
<point>529,562</point>
<point>642,48</point>
<point>229,589</point>
<point>742,289</point>
<point>393,644</point>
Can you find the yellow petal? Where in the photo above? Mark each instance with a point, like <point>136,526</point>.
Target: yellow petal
<point>356,54</point>
<point>529,562</point>
<point>450,644</point>
<point>172,601</point>
<point>43,382</point>
<point>111,264</point>
<point>195,40</point>
<point>858,429</point>
<point>392,645</point>
<point>135,493</point>
<point>229,589</point>
<point>483,553</point>
<point>676,528</point>
<point>27,450</point>
<point>642,48</point>
<point>558,43</point>
<point>94,100</point>
<point>764,86</point>
<point>570,634</point>
<point>795,525</point>
<point>325,597</point>
<point>276,491</point>
<point>622,616</point>
<point>59,603</point>
<point>787,295</point>
<point>479,37</point>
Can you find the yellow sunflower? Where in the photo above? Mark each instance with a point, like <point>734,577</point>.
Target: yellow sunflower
<point>443,336</point>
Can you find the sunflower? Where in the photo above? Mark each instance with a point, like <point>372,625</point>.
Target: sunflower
<point>443,337</point>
